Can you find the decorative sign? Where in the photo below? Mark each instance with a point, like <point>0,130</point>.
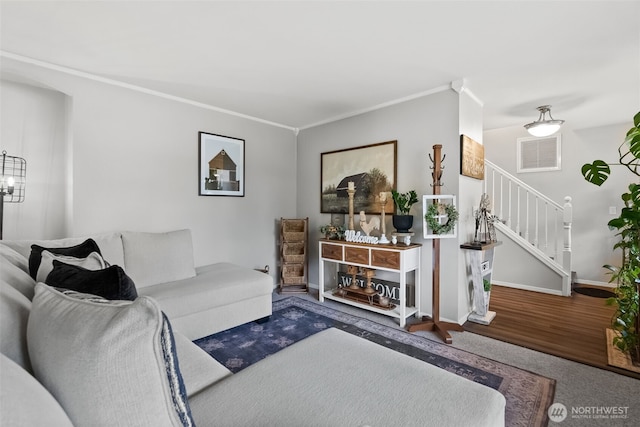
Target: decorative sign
<point>471,158</point>
<point>358,237</point>
<point>385,288</point>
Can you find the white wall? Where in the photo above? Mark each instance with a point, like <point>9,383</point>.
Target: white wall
<point>592,241</point>
<point>469,194</point>
<point>417,125</point>
<point>134,160</point>
<point>34,128</point>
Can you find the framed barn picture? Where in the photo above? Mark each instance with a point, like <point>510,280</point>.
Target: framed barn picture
<point>371,169</point>
<point>220,165</point>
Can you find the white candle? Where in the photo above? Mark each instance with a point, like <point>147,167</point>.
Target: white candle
<point>383,196</point>
<point>352,185</point>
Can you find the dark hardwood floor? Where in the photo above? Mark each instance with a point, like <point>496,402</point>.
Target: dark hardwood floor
<point>569,327</point>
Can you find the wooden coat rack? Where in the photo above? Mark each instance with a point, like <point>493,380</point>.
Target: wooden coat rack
<point>433,323</point>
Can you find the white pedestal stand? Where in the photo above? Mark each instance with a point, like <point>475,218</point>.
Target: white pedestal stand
<point>406,237</point>
<point>481,262</point>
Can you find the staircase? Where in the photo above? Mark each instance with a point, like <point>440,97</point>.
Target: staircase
<point>534,222</point>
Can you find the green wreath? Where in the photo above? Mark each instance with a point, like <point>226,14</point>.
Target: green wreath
<point>434,224</point>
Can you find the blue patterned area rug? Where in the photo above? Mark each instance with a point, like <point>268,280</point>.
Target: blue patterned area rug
<point>528,395</point>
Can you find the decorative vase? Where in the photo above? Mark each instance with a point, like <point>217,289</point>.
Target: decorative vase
<point>402,223</point>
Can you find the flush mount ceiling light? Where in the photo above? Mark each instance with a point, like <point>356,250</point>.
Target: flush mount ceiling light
<point>544,126</point>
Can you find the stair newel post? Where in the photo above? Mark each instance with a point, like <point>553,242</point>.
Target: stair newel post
<point>567,219</point>
<point>433,323</point>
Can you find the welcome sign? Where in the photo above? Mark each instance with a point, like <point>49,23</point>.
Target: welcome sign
<point>385,288</point>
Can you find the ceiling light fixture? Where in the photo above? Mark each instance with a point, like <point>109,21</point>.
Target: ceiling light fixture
<point>544,126</point>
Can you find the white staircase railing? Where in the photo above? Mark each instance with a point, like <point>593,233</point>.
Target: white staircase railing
<point>534,221</point>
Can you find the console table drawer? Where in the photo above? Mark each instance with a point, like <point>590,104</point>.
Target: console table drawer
<point>386,259</point>
<point>332,251</point>
<point>357,255</point>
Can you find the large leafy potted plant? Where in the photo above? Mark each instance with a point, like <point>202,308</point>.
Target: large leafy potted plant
<point>403,221</point>
<point>626,320</point>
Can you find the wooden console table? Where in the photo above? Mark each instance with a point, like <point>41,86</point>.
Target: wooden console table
<point>399,258</point>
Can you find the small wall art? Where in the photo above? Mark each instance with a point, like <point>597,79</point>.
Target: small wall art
<point>471,158</point>
<point>440,216</point>
<point>220,165</point>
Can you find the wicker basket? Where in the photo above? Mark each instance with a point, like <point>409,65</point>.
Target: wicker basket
<point>293,230</point>
<point>293,252</point>
<point>293,273</point>
<point>295,225</point>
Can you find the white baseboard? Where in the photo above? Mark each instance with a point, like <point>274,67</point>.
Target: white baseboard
<point>527,287</point>
<point>595,283</point>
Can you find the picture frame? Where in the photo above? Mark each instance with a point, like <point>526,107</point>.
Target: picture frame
<point>372,169</point>
<point>441,217</point>
<point>471,158</point>
<point>221,169</point>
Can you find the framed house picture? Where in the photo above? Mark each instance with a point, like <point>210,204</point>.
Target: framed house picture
<point>220,165</point>
<point>371,169</point>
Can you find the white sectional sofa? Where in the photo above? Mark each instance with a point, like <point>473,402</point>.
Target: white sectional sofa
<point>198,301</point>
<point>75,359</point>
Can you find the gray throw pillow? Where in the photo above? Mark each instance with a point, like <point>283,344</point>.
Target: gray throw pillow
<point>93,261</point>
<point>110,363</point>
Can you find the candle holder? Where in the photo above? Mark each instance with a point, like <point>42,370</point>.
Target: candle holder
<point>351,191</point>
<point>369,273</point>
<point>383,203</point>
<point>353,271</point>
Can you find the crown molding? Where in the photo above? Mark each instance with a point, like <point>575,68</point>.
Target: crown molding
<point>113,82</point>
<point>378,106</point>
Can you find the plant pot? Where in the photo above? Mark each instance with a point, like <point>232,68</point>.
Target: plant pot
<point>402,223</point>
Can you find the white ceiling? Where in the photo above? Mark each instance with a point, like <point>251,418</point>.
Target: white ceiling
<point>299,63</point>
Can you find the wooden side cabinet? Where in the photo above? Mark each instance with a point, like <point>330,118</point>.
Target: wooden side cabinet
<point>294,258</point>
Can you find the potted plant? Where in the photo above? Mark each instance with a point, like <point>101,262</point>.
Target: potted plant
<point>626,321</point>
<point>333,232</point>
<point>487,293</point>
<point>403,221</point>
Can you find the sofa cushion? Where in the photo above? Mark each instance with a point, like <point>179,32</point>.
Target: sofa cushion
<point>25,402</point>
<point>111,283</point>
<point>152,258</point>
<point>17,277</point>
<point>14,257</point>
<point>14,315</point>
<point>359,382</point>
<point>215,285</point>
<point>93,261</point>
<point>81,250</point>
<point>107,362</point>
<point>199,370</point>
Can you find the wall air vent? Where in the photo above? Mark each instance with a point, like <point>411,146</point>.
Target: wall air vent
<point>539,154</point>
